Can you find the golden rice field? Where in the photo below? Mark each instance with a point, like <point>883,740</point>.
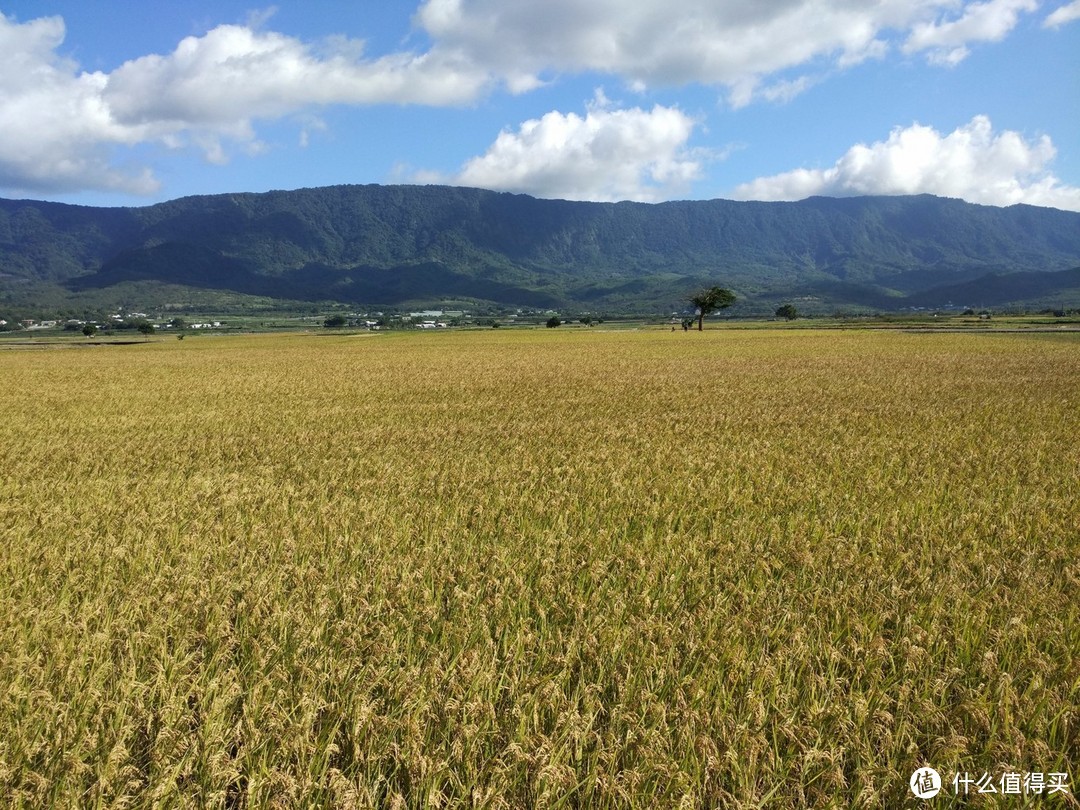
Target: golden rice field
<point>546,569</point>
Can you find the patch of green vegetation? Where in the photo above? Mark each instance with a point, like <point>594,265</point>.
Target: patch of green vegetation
<point>407,246</point>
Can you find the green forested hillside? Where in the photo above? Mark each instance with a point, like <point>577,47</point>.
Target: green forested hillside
<point>405,245</point>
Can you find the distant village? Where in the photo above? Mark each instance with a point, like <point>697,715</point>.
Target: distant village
<point>132,320</point>
<point>374,321</point>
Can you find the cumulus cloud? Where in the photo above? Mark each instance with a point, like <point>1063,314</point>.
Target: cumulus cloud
<point>60,126</point>
<point>621,154</point>
<point>1062,15</point>
<point>973,163</point>
<point>946,41</point>
<point>234,69</point>
<point>728,43</point>
<point>54,127</point>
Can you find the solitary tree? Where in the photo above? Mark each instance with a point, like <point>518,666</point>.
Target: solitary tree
<point>553,321</point>
<point>89,330</point>
<point>708,301</point>
<point>787,311</point>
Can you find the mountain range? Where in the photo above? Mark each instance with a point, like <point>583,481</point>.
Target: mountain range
<point>409,246</point>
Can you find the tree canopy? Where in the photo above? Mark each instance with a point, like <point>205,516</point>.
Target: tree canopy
<point>708,301</point>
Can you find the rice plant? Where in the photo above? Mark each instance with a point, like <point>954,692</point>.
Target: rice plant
<point>537,569</point>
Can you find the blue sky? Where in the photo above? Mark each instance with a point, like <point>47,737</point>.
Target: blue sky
<point>119,103</point>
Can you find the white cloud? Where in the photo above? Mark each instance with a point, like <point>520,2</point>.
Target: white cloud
<point>234,71</point>
<point>53,126</point>
<point>1063,14</point>
<point>973,163</point>
<point>621,154</point>
<point>726,43</point>
<point>946,41</point>
<point>59,126</point>
<point>786,90</point>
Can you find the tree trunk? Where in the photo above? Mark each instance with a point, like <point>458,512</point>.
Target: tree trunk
<point>700,320</point>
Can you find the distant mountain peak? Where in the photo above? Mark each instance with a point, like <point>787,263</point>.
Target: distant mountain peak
<point>398,245</point>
